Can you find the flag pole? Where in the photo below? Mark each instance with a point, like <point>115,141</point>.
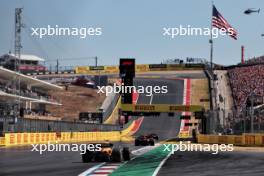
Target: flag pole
<point>211,42</point>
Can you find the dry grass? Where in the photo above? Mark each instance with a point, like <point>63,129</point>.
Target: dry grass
<point>77,99</point>
<point>200,90</point>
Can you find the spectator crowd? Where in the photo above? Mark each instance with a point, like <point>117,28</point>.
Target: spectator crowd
<point>255,60</point>
<point>246,81</point>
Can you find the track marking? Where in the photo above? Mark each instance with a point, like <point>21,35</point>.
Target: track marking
<point>109,167</point>
<point>186,101</point>
<point>104,169</point>
<point>88,171</point>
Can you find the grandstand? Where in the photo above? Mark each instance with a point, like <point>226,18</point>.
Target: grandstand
<point>27,63</point>
<point>22,96</point>
<point>242,91</point>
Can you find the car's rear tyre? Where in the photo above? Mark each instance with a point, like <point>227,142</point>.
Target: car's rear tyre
<point>105,157</point>
<point>152,143</point>
<point>99,157</point>
<point>116,155</point>
<point>136,143</point>
<point>87,157</point>
<point>126,154</point>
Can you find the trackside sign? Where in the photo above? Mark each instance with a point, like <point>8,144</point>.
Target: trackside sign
<point>144,108</point>
<point>160,108</point>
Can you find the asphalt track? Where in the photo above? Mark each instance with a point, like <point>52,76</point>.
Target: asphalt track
<point>21,161</point>
<point>238,163</point>
<point>164,126</point>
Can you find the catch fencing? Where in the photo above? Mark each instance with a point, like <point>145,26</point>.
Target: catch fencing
<point>34,125</point>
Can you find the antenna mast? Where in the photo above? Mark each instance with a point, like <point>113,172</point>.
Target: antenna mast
<point>18,26</point>
<point>18,46</point>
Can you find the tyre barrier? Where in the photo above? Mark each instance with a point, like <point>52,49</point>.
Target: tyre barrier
<point>246,139</point>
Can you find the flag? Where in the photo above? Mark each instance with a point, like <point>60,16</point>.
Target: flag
<point>220,22</point>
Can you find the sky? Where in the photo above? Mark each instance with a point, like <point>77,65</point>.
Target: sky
<point>133,29</point>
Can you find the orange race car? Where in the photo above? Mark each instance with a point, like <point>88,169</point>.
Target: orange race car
<point>108,153</point>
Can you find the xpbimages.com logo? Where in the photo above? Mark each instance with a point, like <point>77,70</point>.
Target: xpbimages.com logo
<point>82,32</point>
<point>182,147</point>
<point>57,147</point>
<point>173,32</point>
<point>121,89</point>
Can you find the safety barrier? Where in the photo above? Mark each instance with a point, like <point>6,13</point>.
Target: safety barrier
<point>140,68</point>
<point>246,139</point>
<point>39,138</point>
<point>113,118</point>
<point>2,141</point>
<point>11,139</point>
<point>29,138</point>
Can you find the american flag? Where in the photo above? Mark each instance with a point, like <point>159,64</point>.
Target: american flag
<point>220,22</point>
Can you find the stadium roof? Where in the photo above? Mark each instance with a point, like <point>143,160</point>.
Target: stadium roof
<point>7,96</point>
<point>27,57</point>
<point>6,74</point>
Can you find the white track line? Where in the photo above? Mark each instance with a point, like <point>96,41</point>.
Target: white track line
<point>103,170</point>
<point>151,98</point>
<point>109,167</point>
<point>161,164</point>
<point>143,150</point>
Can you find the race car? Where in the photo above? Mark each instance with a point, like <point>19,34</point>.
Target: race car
<point>154,136</point>
<point>107,154</point>
<point>144,140</point>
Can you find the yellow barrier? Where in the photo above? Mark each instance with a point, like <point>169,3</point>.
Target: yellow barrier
<point>28,138</point>
<point>12,139</point>
<point>253,139</point>
<point>245,139</point>
<point>184,134</point>
<point>82,70</point>
<point>2,141</point>
<point>111,69</point>
<point>140,68</point>
<point>160,108</point>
